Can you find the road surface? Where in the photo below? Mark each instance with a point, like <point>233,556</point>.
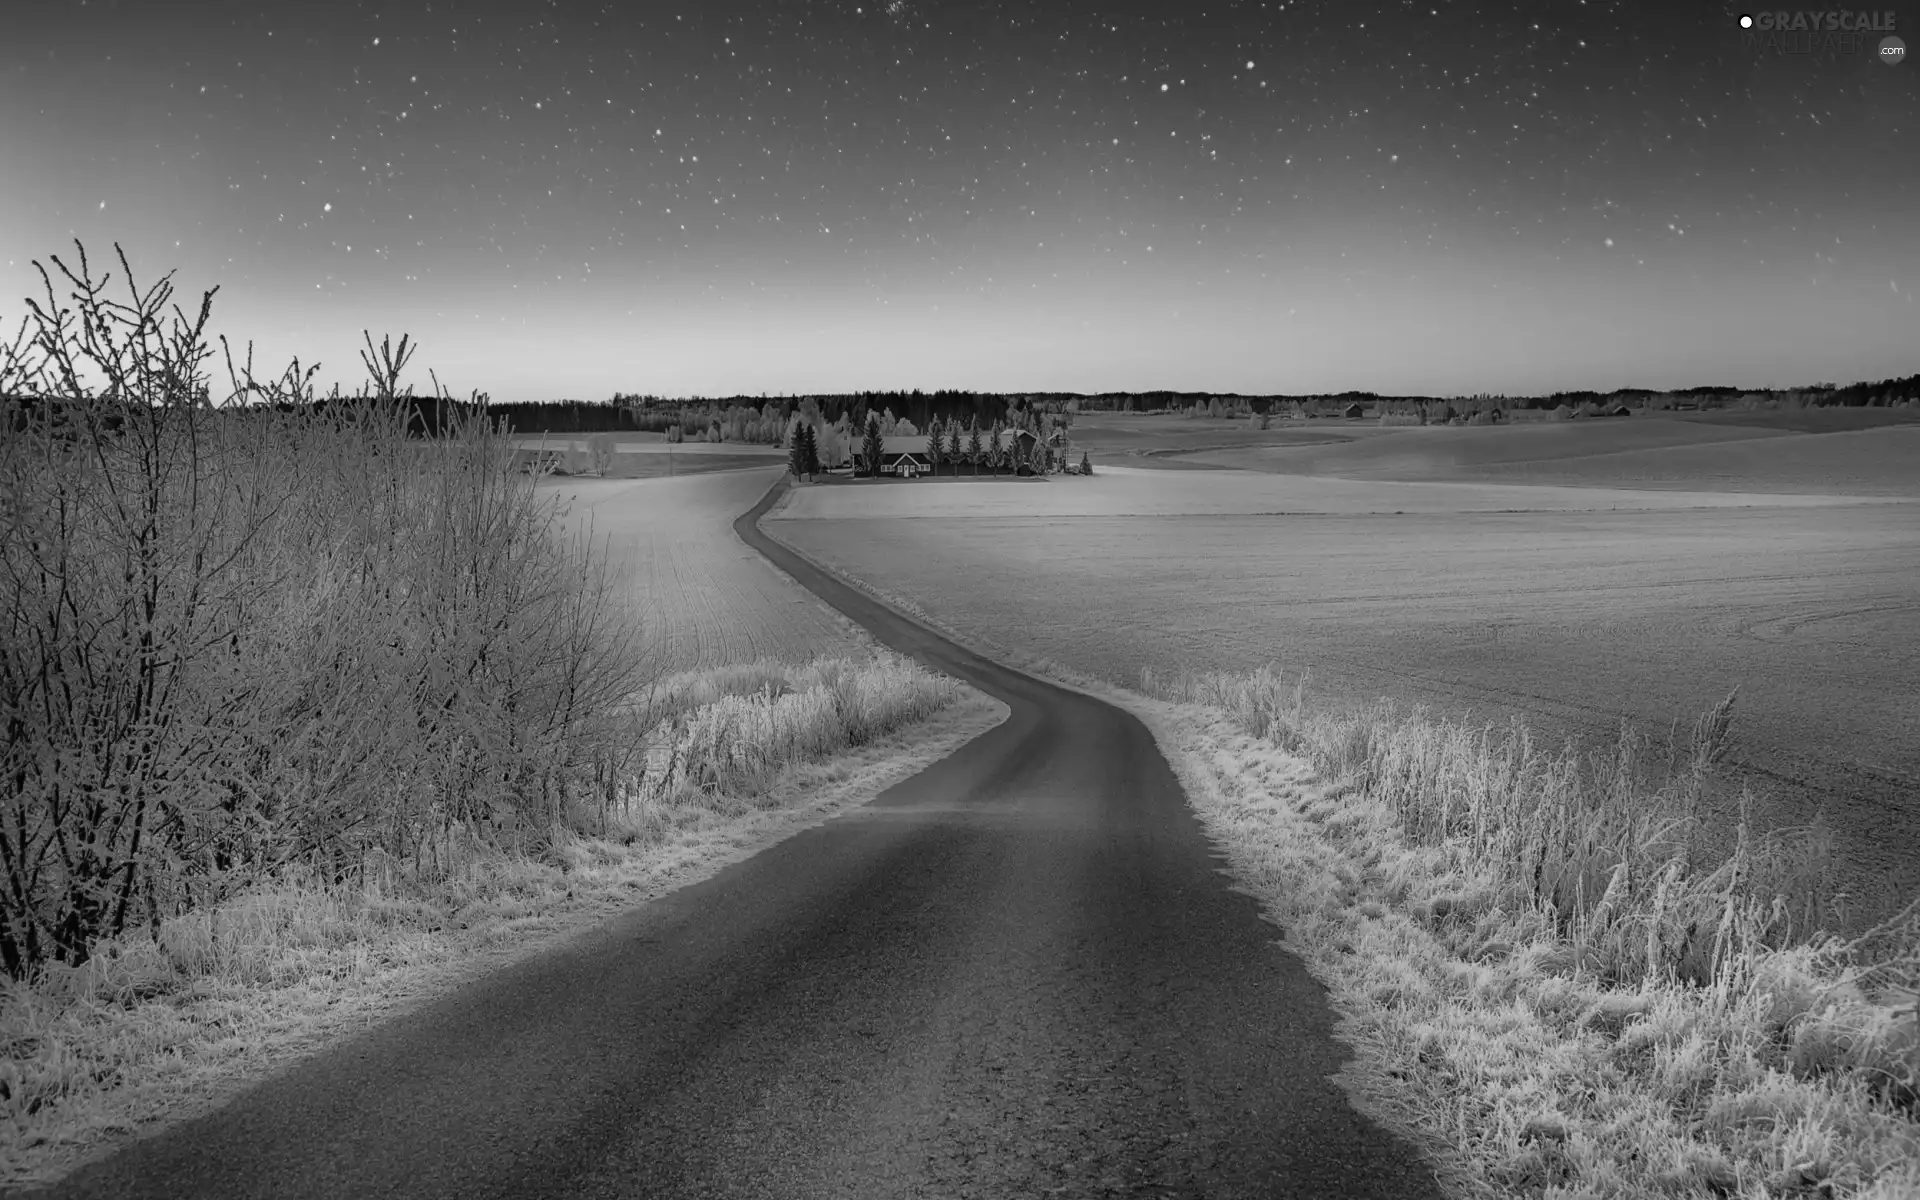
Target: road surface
<point>1016,974</point>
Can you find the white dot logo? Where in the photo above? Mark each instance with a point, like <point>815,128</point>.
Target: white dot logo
<point>1746,22</point>
<point>1893,51</point>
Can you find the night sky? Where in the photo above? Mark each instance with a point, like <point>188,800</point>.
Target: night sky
<point>782,196</point>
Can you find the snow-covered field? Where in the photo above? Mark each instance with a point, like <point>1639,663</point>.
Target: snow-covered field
<point>629,443</point>
<point>1567,606</point>
<point>1137,491</point>
<point>708,599</point>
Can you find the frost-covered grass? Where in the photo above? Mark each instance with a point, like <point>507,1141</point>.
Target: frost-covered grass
<point>1664,1035</point>
<point>154,1028</point>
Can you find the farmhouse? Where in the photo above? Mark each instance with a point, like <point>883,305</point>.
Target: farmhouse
<point>1619,410</point>
<point>904,463</point>
<point>1354,411</point>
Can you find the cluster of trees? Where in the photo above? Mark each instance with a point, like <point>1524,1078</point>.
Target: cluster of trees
<point>1032,441</point>
<point>836,438</point>
<point>997,449</point>
<point>803,452</point>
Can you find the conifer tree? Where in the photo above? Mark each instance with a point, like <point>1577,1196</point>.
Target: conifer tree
<point>953,444</point>
<point>973,444</point>
<point>796,450</point>
<point>934,444</point>
<point>873,446</point>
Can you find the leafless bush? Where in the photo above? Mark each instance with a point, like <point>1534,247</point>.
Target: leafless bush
<point>602,447</point>
<point>240,637</point>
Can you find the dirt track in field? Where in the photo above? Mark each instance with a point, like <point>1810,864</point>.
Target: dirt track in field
<point>1018,973</point>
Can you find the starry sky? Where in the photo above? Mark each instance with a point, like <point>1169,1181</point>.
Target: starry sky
<point>786,196</point>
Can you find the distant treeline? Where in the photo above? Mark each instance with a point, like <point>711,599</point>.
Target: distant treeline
<point>760,418</point>
<point>767,420</point>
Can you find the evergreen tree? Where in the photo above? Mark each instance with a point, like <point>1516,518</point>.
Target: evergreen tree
<point>809,451</point>
<point>934,444</point>
<point>1086,467</point>
<point>953,444</point>
<point>873,447</point>
<point>796,451</point>
<point>974,454</point>
<point>994,450</point>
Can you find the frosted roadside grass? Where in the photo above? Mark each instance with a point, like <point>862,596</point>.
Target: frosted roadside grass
<point>1553,980</point>
<point>720,739</point>
<point>1540,972</point>
<point>155,1028</point>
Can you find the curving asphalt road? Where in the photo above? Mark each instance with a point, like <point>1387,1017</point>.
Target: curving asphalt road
<point>1016,974</point>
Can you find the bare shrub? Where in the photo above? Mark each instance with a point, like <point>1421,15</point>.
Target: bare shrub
<point>602,448</point>
<point>243,639</point>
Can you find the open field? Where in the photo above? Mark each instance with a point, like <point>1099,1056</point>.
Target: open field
<point>1658,454</point>
<point>1568,618</point>
<point>1807,420</point>
<point>1149,492</point>
<point>1363,444</point>
<point>1376,451</point>
<point>635,458</point>
<point>649,443</point>
<point>1110,436</point>
<point>708,600</point>
<point>647,465</point>
<point>1859,452</point>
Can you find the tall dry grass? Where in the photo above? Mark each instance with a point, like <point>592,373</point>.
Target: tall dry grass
<point>1509,921</point>
<point>718,740</point>
<point>1613,845</point>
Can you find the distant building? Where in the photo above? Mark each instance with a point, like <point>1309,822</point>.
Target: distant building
<point>1619,410</point>
<point>904,463</point>
<point>1353,412</point>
